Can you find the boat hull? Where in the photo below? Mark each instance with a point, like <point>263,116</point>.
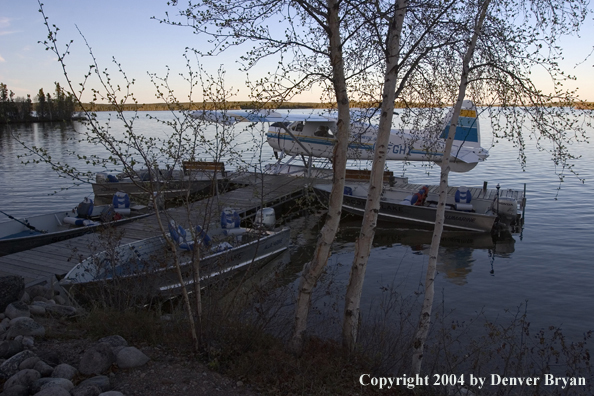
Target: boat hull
<point>147,267</point>
<point>23,239</point>
<point>415,215</point>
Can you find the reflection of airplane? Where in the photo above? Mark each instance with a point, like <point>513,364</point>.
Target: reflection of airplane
<point>314,135</point>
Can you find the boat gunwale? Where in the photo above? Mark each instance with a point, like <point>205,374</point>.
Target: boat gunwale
<point>90,260</point>
<point>89,227</point>
<point>382,215</point>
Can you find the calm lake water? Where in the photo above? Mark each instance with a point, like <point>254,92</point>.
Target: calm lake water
<point>550,265</point>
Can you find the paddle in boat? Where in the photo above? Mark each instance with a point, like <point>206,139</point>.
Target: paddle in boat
<point>26,233</point>
<point>149,265</point>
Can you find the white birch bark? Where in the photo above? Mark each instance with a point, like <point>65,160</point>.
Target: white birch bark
<point>367,233</point>
<point>425,318</point>
<point>312,270</point>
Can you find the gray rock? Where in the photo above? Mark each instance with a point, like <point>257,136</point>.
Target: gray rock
<point>131,357</point>
<point>36,310</point>
<point>111,393</point>
<point>40,291</point>
<point>17,309</point>
<point>64,371</point>
<point>17,390</point>
<point>43,383</point>
<point>61,382</point>
<point>11,366</point>
<point>11,290</point>
<point>40,299</point>
<point>10,348</point>
<point>53,391</point>
<point>29,363</point>
<point>50,357</point>
<point>115,341</point>
<point>25,327</point>
<point>25,298</point>
<point>100,381</point>
<point>28,341</point>
<point>24,378</point>
<point>87,390</point>
<point>97,359</point>
<point>44,369</point>
<point>117,350</point>
<point>60,310</point>
<point>60,300</point>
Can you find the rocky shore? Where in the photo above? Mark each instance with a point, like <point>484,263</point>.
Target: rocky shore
<point>33,364</point>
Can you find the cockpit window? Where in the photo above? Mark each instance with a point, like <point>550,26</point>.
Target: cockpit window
<point>297,126</point>
<point>280,124</point>
<point>323,131</point>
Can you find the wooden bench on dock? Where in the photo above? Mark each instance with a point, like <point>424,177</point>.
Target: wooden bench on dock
<point>359,174</point>
<point>204,166</point>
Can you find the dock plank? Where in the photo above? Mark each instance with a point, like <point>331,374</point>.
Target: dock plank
<point>58,258</point>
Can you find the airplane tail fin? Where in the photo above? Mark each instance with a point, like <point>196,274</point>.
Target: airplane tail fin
<point>468,128</point>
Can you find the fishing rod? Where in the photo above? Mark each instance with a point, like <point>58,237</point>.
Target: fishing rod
<point>29,226</point>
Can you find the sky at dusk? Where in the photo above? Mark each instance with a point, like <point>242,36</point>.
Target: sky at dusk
<point>124,30</point>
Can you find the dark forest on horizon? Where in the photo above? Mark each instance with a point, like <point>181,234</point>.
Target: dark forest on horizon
<point>62,106</point>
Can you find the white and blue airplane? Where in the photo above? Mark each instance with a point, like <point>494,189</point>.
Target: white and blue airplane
<point>314,136</point>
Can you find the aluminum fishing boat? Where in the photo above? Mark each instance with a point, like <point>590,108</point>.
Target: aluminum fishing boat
<point>149,265</point>
<point>18,234</point>
<point>468,209</point>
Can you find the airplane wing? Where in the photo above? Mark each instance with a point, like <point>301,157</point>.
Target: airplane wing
<point>230,117</point>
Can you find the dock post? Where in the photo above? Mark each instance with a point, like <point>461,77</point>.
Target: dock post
<point>524,203</point>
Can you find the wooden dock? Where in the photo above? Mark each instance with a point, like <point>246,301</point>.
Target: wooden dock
<point>42,263</point>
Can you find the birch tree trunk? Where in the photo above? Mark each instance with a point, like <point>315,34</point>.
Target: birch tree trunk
<point>367,233</point>
<point>425,318</point>
<point>313,270</point>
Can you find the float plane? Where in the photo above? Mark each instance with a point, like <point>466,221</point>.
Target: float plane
<point>314,135</point>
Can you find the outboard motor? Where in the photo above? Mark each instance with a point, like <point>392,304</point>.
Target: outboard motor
<point>506,209</point>
<point>101,177</point>
<point>265,218</point>
<point>104,177</point>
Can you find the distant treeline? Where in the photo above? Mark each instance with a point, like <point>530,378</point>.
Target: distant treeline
<point>585,106</point>
<point>228,105</point>
<point>251,105</point>
<point>198,106</point>
<point>60,107</point>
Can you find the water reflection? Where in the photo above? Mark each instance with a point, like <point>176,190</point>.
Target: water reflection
<point>455,260</point>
